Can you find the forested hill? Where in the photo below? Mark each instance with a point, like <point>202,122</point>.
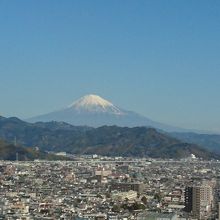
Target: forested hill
<point>105,140</point>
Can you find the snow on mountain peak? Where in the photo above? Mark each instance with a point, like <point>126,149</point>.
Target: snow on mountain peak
<point>90,100</point>
<point>95,103</point>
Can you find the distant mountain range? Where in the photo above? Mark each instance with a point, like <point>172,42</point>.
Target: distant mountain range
<point>94,125</point>
<point>94,111</point>
<point>208,141</point>
<point>105,140</point>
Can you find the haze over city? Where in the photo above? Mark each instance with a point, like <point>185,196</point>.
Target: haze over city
<point>157,58</point>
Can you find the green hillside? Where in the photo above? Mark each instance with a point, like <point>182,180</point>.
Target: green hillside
<point>9,152</point>
<point>106,140</point>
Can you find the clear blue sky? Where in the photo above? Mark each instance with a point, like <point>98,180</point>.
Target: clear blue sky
<point>160,58</point>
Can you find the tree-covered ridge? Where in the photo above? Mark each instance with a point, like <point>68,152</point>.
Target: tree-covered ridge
<point>12,152</point>
<point>105,140</point>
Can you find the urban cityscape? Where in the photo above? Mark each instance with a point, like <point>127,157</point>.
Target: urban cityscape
<point>97,187</point>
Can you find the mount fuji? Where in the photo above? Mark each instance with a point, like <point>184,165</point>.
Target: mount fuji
<point>92,110</point>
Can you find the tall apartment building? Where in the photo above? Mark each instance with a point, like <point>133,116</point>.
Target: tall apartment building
<point>188,199</point>
<point>198,201</point>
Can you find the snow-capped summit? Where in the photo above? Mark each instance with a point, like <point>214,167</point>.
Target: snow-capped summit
<point>92,110</point>
<point>94,103</point>
<point>89,100</point>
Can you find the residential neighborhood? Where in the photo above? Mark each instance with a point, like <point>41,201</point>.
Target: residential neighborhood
<point>114,188</point>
